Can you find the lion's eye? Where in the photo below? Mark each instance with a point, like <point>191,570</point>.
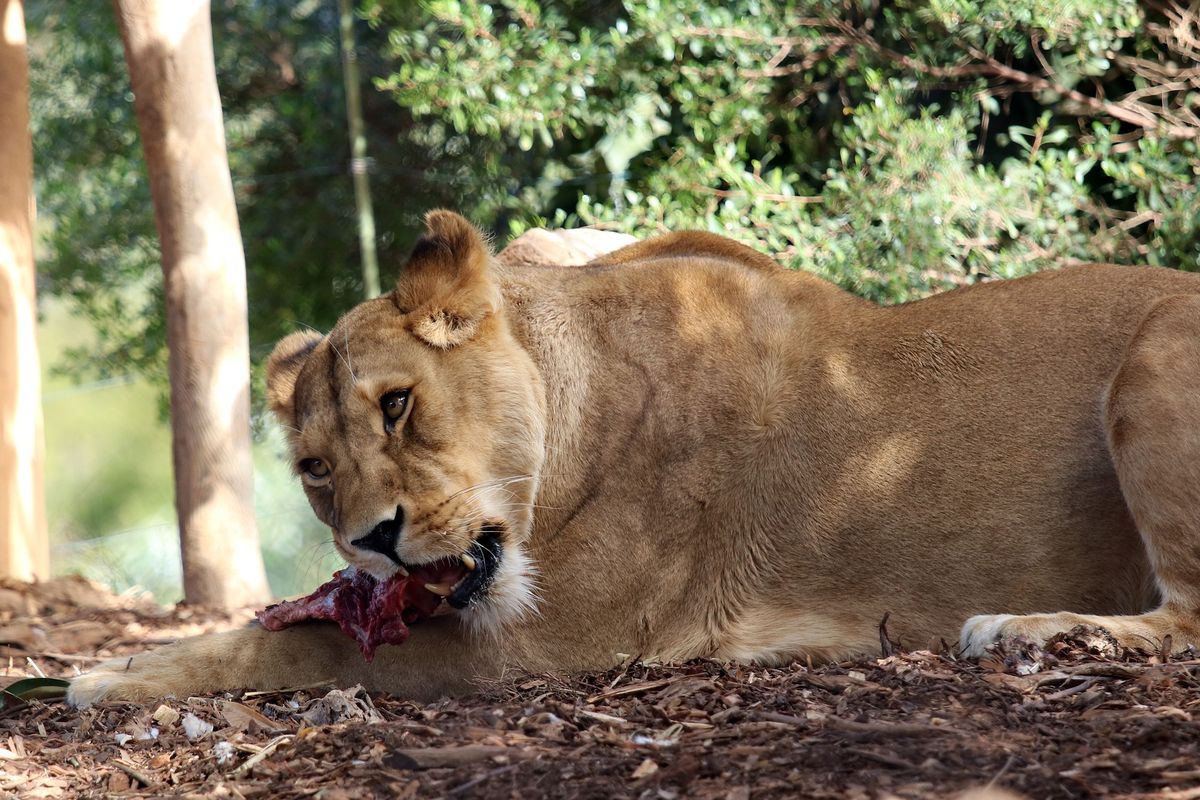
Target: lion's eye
<point>393,405</point>
<point>315,468</point>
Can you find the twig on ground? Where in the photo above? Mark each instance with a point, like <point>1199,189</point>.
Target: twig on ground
<point>258,757</point>
<point>134,774</point>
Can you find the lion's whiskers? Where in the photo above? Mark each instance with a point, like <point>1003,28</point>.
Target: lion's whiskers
<point>313,551</point>
<point>490,484</point>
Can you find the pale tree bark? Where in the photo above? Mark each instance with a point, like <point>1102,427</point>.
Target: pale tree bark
<point>168,47</point>
<point>24,547</point>
<point>358,151</point>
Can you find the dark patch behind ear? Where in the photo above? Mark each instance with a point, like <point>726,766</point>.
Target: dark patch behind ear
<point>447,288</point>
<point>283,368</point>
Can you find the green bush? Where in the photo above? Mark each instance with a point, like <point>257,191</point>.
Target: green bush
<point>897,149</point>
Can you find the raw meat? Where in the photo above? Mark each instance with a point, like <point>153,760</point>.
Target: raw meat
<point>370,611</point>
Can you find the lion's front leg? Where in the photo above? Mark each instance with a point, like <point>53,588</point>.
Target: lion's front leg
<point>437,659</point>
<point>250,657</point>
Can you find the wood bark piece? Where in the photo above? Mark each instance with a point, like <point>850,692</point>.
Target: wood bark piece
<point>887,728</point>
<point>920,724</point>
<point>24,548</point>
<point>634,688</point>
<point>436,757</point>
<point>168,47</point>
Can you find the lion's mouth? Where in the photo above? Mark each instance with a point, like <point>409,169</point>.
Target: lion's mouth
<point>464,578</point>
<point>376,612</point>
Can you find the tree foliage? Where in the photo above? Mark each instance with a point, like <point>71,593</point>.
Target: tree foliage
<point>279,74</point>
<point>896,148</point>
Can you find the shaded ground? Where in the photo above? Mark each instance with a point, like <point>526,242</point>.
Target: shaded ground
<point>1063,723</point>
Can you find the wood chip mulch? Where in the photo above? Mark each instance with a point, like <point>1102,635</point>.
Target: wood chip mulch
<point>1075,719</point>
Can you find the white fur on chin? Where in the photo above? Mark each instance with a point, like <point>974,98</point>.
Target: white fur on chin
<point>511,597</point>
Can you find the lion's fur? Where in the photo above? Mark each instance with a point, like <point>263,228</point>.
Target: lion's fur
<point>699,453</point>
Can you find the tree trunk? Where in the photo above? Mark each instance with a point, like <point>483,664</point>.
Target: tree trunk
<point>358,151</point>
<point>168,47</point>
<point>24,547</point>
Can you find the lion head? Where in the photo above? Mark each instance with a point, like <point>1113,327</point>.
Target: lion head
<point>417,428</point>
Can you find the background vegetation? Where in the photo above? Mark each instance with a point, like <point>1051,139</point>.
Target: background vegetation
<point>896,148</point>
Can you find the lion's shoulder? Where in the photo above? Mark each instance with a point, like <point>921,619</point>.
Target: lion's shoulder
<point>688,244</point>
<point>561,248</point>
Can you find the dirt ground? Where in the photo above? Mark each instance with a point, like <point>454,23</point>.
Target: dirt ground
<point>1076,719</point>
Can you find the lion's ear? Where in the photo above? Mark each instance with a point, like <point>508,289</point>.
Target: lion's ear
<point>283,368</point>
<point>447,288</point>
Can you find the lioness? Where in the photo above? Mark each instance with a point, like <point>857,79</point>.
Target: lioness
<point>682,449</point>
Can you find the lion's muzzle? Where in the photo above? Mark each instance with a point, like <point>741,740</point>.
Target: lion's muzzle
<point>460,579</point>
<point>384,536</point>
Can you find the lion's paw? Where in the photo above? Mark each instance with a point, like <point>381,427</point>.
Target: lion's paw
<point>982,631</point>
<point>115,680</point>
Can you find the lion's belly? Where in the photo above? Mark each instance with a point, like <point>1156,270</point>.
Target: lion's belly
<point>930,563</point>
<point>931,571</point>
<point>963,461</point>
<point>948,461</point>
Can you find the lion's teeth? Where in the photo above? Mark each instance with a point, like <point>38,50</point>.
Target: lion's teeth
<point>440,589</point>
<point>402,572</point>
<point>468,562</point>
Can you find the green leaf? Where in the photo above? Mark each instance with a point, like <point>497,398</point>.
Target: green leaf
<point>27,689</point>
<point>1083,168</point>
<point>1056,136</point>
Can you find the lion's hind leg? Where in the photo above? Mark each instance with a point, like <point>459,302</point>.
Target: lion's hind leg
<point>1152,416</point>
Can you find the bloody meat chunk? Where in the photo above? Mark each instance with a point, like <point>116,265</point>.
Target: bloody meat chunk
<point>370,611</point>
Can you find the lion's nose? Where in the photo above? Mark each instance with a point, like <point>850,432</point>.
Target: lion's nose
<point>383,537</point>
